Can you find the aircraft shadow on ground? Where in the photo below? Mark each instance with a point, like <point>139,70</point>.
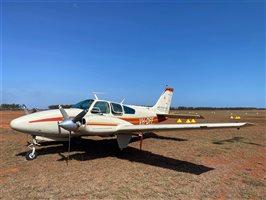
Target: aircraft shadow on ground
<point>235,140</point>
<point>89,149</point>
<point>155,136</point>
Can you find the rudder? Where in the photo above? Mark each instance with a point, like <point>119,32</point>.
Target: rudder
<point>164,102</point>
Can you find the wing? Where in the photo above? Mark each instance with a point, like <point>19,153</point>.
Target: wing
<point>183,116</point>
<point>171,127</point>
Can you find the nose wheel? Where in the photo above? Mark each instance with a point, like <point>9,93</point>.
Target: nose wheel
<point>32,154</point>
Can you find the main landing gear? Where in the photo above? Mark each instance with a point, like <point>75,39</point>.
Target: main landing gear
<point>32,154</point>
<point>140,141</point>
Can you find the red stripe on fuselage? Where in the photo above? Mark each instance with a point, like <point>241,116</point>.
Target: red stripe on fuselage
<point>100,124</point>
<point>53,119</point>
<point>134,121</point>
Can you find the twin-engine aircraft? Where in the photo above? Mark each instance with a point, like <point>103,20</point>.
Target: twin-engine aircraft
<point>95,117</point>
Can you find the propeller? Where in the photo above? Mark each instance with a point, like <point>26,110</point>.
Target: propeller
<point>70,124</point>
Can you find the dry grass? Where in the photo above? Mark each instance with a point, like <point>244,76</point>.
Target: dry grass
<point>204,164</point>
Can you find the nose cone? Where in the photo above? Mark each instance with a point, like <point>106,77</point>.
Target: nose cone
<point>16,124</point>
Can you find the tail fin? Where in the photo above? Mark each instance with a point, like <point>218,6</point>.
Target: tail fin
<point>164,102</point>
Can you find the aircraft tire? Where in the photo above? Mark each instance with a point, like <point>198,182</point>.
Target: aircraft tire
<point>30,156</point>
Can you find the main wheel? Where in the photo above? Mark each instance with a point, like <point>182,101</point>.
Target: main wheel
<point>31,156</point>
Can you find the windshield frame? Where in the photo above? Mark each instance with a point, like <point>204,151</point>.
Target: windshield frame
<point>85,104</point>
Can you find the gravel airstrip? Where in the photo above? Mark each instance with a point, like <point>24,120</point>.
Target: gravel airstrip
<point>203,164</point>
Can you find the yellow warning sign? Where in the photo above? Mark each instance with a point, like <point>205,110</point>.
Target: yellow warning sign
<point>193,121</point>
<point>188,121</point>
<point>179,121</point>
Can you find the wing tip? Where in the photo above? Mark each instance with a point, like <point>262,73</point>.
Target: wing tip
<point>249,124</point>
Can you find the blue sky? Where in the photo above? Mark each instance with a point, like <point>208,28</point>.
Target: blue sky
<point>59,52</point>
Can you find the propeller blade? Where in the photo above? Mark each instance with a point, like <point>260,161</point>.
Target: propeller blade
<point>80,116</point>
<point>63,112</point>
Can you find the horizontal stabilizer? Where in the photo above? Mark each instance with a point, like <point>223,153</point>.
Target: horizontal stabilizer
<point>182,116</point>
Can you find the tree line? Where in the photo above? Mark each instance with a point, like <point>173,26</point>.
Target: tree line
<point>56,106</point>
<point>12,106</point>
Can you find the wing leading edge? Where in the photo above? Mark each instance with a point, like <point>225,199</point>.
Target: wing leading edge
<point>171,127</point>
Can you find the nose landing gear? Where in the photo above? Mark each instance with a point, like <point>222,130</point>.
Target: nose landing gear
<point>32,154</point>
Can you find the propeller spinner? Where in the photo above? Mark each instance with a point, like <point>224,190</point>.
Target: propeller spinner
<point>71,124</point>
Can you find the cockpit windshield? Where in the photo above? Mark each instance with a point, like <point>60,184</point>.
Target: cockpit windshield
<point>83,104</point>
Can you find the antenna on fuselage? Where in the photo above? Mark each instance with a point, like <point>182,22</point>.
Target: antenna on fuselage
<point>95,94</point>
<point>122,101</point>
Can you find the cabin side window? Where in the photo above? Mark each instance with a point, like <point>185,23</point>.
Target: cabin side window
<point>129,110</point>
<point>116,109</point>
<point>102,106</point>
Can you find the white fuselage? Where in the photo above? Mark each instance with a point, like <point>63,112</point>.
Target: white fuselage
<point>45,123</point>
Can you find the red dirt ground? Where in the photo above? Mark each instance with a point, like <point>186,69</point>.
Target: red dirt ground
<point>203,164</point>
